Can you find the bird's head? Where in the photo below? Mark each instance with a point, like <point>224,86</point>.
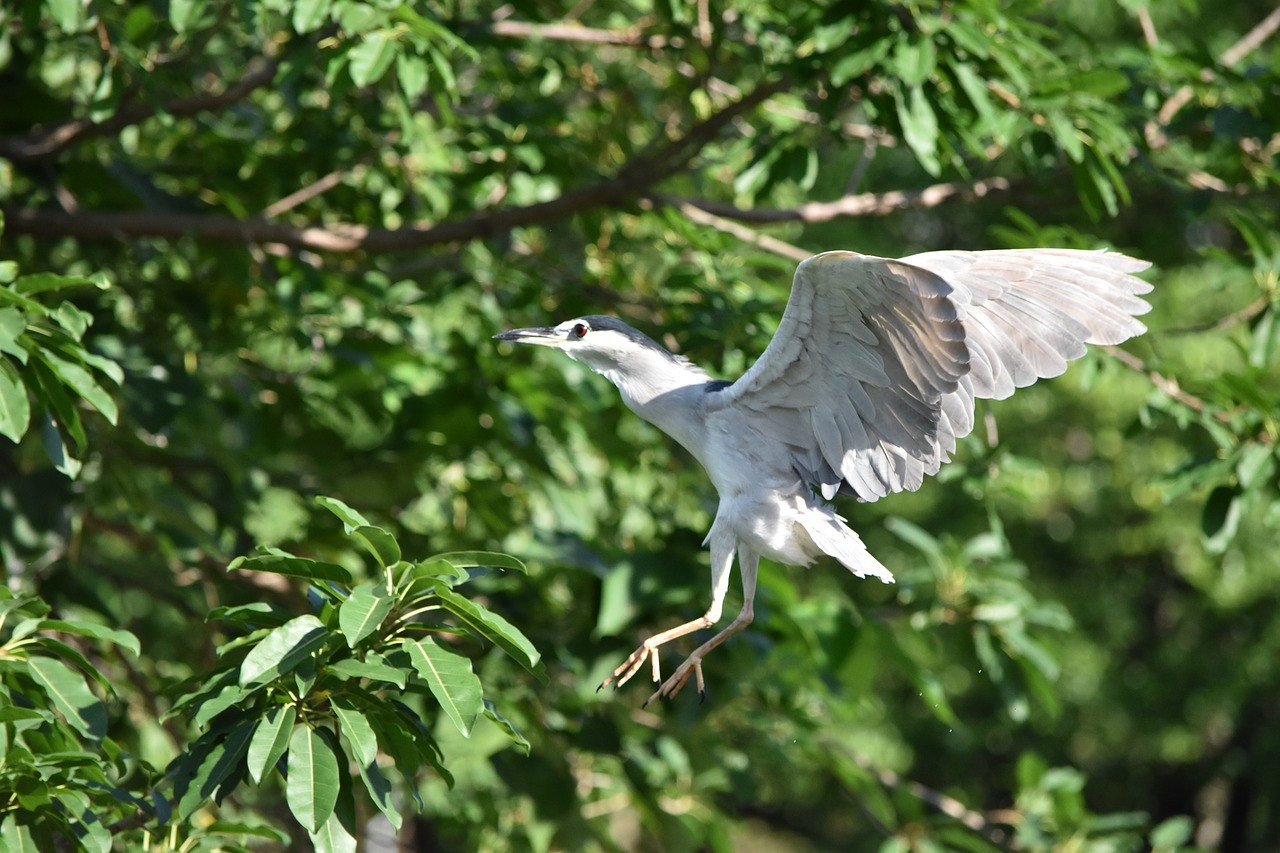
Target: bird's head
<point>605,344</point>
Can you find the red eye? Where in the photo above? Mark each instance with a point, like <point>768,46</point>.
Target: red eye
<point>579,331</point>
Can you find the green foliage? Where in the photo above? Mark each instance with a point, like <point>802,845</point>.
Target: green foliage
<point>307,696</point>
<point>43,359</point>
<point>315,215</point>
<point>61,777</point>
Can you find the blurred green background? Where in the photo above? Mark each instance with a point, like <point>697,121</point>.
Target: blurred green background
<point>315,215</point>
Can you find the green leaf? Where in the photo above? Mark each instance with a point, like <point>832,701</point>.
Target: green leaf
<point>219,702</point>
<point>40,282</point>
<point>59,404</point>
<point>17,836</point>
<point>97,632</point>
<point>67,15</point>
<point>371,667</point>
<point>312,787</point>
<point>1172,834</point>
<point>82,382</point>
<point>914,61</point>
<point>503,723</point>
<point>356,729</point>
<point>379,542</point>
<point>1221,518</point>
<point>348,516</point>
<point>483,559</point>
<point>294,567</point>
<point>270,740</point>
<point>379,788</point>
<point>854,64</point>
<point>498,630</point>
<point>450,680</point>
<point>975,88</point>
<point>282,650</point>
<point>370,59</point>
<point>920,129</point>
<point>67,690</point>
<point>364,611</point>
<point>308,15</point>
<point>15,408</point>
<point>30,306</point>
<point>333,837</point>
<point>12,326</point>
<point>414,73</point>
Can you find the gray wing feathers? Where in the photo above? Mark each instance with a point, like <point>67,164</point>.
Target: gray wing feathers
<point>1028,312</point>
<point>871,376</point>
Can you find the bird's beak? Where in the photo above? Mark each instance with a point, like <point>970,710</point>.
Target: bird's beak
<point>542,336</point>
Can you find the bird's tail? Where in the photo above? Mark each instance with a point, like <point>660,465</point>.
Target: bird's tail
<point>829,532</point>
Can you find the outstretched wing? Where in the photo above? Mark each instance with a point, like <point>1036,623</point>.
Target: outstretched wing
<point>873,371</point>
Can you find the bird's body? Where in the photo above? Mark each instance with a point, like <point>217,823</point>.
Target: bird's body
<point>864,389</point>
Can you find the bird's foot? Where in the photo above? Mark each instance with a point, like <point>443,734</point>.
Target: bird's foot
<point>630,666</point>
<point>672,685</point>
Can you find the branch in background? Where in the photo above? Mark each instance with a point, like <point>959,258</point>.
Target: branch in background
<point>742,232</point>
<point>310,191</point>
<point>1166,384</point>
<point>579,33</point>
<point>47,141</point>
<point>861,204</point>
<point>634,179</point>
<point>1252,40</point>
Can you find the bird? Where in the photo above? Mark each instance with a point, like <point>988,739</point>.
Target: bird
<point>863,391</point>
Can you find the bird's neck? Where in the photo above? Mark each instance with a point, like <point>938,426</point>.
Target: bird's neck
<point>664,391</point>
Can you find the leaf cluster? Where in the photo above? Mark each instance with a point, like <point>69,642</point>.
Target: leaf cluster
<point>305,697</point>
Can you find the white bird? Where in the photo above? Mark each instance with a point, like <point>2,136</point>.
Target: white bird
<point>868,382</point>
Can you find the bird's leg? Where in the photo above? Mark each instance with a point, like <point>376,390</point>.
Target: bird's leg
<point>748,564</point>
<point>722,548</point>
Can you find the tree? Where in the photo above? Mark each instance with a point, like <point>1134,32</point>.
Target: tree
<point>305,221</point>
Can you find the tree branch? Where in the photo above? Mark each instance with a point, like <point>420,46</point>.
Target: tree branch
<point>1250,42</point>
<point>742,232</point>
<point>47,141</point>
<point>635,178</point>
<point>578,33</point>
<point>860,204</point>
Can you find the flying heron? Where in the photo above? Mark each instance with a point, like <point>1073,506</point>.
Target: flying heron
<point>868,382</point>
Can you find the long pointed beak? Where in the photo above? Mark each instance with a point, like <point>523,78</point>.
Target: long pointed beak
<point>542,336</point>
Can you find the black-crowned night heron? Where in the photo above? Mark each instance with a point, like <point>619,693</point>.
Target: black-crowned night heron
<point>864,389</point>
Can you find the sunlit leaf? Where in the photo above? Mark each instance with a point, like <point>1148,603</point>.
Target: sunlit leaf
<point>364,612</point>
<point>67,690</point>
<point>270,740</point>
<point>451,681</point>
<point>312,787</point>
<point>283,649</point>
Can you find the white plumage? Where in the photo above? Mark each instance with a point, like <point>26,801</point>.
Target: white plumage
<point>867,384</point>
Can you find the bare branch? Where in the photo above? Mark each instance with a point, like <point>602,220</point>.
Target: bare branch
<point>1166,384</point>
<point>636,178</point>
<point>579,33</point>
<point>1253,39</point>
<point>1250,42</point>
<point>47,141</point>
<point>861,204</point>
<point>305,194</point>
<point>742,232</point>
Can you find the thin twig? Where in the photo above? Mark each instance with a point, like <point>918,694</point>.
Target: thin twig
<point>578,33</point>
<point>742,232</point>
<point>860,204</point>
<point>1251,41</point>
<point>1167,384</point>
<point>305,194</point>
